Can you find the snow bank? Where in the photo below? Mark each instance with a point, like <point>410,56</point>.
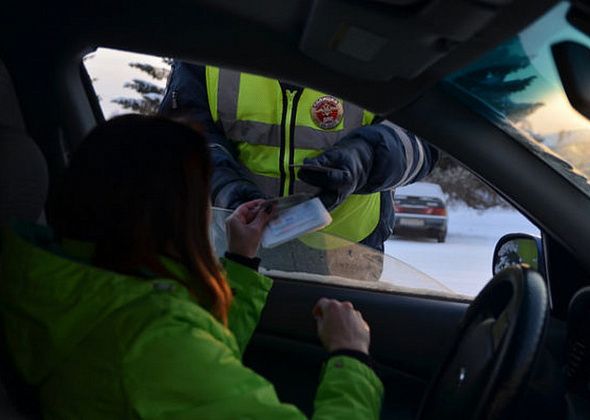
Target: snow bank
<point>464,262</point>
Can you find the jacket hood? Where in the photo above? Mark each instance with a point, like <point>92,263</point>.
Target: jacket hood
<point>51,297</point>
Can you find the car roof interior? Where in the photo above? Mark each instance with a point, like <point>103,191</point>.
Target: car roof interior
<point>318,44</point>
<point>415,42</point>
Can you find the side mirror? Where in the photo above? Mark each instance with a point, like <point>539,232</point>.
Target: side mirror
<point>519,248</point>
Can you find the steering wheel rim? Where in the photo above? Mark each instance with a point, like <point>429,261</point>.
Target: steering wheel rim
<point>494,351</point>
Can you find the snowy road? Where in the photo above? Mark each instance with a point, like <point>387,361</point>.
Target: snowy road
<point>464,262</point>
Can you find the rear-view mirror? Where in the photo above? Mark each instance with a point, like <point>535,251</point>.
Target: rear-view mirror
<point>573,64</point>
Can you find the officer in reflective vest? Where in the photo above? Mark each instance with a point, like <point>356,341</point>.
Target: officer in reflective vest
<point>261,129</point>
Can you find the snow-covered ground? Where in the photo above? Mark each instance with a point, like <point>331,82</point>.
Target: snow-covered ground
<point>464,262</point>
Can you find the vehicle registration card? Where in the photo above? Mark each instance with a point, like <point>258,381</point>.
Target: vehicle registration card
<point>295,221</point>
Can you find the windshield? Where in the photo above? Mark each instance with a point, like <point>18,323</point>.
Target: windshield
<point>519,81</point>
<point>324,258</point>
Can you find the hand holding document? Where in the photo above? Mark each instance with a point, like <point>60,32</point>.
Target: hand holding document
<point>297,214</point>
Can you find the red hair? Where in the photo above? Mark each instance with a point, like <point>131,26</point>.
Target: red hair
<point>138,187</point>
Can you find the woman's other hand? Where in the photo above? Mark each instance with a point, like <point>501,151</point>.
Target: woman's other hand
<point>245,226</point>
<point>340,326</point>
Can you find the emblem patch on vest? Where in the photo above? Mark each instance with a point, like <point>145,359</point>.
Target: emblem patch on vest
<point>327,112</point>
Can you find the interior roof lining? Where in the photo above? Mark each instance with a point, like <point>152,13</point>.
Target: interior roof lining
<point>214,35</point>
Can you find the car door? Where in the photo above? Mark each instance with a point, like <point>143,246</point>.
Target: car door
<point>413,318</point>
<point>285,348</point>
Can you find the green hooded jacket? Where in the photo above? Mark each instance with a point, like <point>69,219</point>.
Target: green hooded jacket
<point>100,345</point>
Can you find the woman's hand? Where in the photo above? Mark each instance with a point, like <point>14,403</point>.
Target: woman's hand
<point>245,226</point>
<point>340,326</point>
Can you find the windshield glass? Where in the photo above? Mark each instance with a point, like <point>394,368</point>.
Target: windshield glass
<point>519,81</point>
<point>324,258</point>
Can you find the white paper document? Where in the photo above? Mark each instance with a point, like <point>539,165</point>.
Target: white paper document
<point>295,221</point>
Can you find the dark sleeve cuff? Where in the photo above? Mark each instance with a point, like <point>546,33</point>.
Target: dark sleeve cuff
<point>358,355</point>
<point>252,263</point>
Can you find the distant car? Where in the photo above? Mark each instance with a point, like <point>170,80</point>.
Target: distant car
<point>420,209</point>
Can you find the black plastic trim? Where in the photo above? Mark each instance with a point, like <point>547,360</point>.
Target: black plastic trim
<point>91,93</point>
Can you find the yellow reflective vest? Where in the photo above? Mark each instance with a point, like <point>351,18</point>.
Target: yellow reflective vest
<point>275,128</point>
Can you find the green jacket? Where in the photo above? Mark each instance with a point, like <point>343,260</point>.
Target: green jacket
<point>104,345</point>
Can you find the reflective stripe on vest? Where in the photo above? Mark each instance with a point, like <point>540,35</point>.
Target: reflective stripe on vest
<point>274,129</point>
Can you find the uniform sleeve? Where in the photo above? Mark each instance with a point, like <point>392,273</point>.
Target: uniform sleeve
<point>399,157</point>
<point>176,370</point>
<point>186,99</point>
<point>250,292</point>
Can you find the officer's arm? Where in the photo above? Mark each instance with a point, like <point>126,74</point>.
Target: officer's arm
<point>399,157</point>
<point>186,100</point>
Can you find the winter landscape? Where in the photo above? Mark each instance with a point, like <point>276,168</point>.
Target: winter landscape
<point>464,262</point>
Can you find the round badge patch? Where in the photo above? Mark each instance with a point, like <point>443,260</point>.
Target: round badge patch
<point>327,112</point>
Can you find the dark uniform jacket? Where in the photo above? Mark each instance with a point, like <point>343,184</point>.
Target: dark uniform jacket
<point>400,158</point>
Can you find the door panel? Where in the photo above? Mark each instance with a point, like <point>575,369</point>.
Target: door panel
<point>409,337</point>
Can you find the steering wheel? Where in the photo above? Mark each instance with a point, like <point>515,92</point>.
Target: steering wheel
<point>493,354</point>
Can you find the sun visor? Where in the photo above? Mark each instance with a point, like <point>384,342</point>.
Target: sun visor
<point>390,39</point>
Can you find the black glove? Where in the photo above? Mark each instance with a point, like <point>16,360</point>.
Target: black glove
<point>236,193</point>
<point>342,170</point>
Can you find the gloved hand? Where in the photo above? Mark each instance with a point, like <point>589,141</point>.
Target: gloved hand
<point>342,170</point>
<point>236,193</point>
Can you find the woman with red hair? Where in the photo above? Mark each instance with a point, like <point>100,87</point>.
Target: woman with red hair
<point>125,312</point>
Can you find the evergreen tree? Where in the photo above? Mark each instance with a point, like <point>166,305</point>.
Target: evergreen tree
<point>495,78</point>
<point>461,186</point>
<point>150,93</point>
